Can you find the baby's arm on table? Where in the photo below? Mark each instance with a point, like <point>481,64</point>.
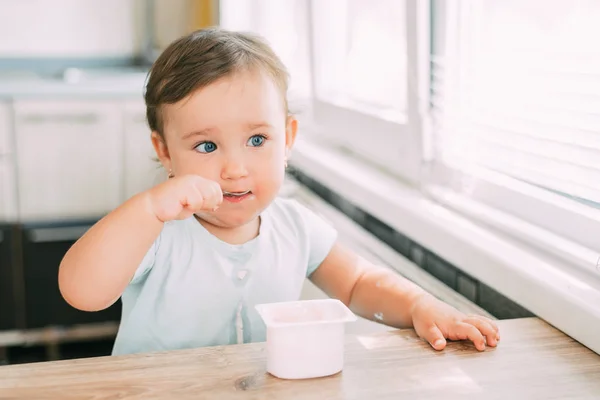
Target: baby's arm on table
<point>381,295</point>
<point>98,267</point>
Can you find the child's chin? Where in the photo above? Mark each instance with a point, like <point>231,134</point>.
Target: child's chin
<point>230,219</point>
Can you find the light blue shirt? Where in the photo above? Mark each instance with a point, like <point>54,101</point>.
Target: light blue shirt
<point>194,290</point>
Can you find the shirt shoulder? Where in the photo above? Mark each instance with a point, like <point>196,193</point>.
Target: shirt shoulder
<point>310,230</point>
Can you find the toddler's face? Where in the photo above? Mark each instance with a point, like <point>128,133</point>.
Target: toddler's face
<point>235,132</point>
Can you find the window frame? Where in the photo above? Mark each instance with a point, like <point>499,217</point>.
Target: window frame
<point>394,145</point>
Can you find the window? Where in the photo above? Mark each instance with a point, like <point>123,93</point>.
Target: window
<point>516,114</point>
<point>364,54</point>
<point>350,62</point>
<point>360,55</point>
<point>497,116</point>
<point>284,25</point>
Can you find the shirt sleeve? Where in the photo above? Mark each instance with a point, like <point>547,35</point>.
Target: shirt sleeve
<point>320,234</point>
<point>146,264</point>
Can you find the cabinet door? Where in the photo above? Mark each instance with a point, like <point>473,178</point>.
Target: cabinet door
<point>142,170</point>
<point>5,129</point>
<point>69,158</point>
<point>8,190</point>
<point>8,318</point>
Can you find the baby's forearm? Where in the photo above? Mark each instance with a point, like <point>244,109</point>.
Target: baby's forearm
<point>96,270</point>
<point>384,296</point>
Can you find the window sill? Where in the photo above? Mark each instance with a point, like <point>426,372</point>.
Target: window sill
<point>378,111</point>
<point>536,281</point>
<point>382,142</point>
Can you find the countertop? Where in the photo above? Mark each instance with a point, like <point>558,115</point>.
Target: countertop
<point>102,82</point>
<point>533,361</point>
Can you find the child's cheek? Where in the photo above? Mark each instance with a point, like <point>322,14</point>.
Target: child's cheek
<point>270,177</point>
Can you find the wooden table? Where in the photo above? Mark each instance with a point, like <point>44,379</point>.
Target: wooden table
<point>533,361</point>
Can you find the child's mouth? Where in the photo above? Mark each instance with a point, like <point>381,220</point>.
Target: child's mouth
<point>236,197</point>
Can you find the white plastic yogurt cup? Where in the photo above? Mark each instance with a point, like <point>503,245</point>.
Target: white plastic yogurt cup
<point>305,339</point>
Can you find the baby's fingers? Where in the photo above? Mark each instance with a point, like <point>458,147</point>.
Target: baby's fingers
<point>194,199</point>
<point>201,194</point>
<point>213,196</point>
<point>488,329</point>
<point>463,331</point>
<point>435,337</point>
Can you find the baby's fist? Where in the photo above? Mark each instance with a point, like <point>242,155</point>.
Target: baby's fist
<point>182,196</point>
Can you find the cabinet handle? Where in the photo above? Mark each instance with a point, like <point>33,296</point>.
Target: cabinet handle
<point>87,118</point>
<point>57,234</point>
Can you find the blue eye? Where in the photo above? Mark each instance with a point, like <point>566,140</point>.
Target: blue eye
<point>206,147</point>
<point>256,140</point>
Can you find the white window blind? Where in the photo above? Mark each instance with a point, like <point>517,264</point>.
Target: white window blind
<point>516,89</point>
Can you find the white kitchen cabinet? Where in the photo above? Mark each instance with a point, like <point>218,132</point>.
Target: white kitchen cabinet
<point>5,128</point>
<point>141,168</point>
<point>8,192</point>
<point>69,158</point>
<point>71,28</point>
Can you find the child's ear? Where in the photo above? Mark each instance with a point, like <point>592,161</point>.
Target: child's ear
<point>161,149</point>
<point>291,129</point>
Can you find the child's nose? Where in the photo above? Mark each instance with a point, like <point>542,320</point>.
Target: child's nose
<point>234,168</point>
